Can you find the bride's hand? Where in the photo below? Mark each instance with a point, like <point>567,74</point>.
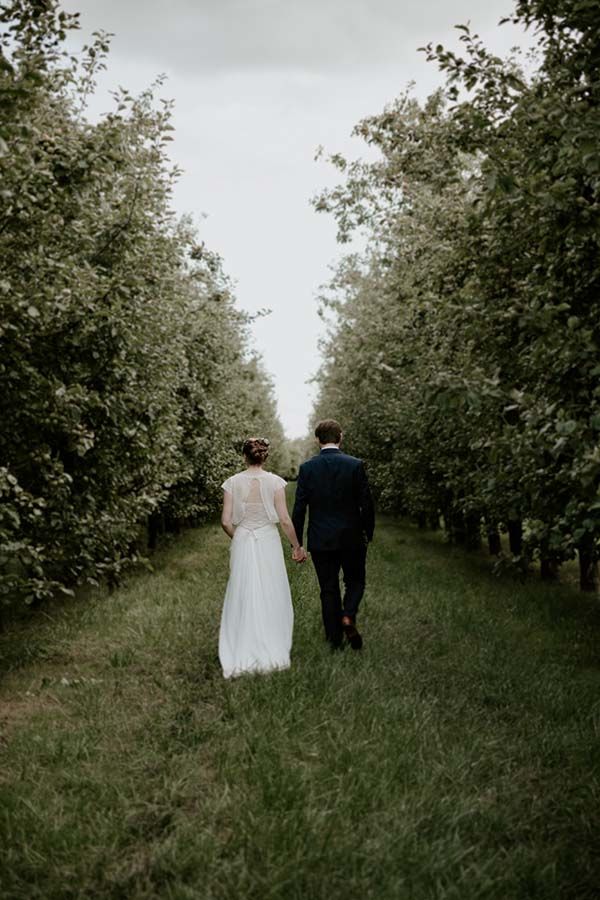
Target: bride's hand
<point>299,555</point>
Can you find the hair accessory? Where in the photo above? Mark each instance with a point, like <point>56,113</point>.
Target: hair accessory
<point>250,442</point>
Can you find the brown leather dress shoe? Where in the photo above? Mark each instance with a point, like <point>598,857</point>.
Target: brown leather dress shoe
<point>353,636</point>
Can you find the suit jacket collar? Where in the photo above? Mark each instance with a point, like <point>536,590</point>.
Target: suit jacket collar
<point>330,450</point>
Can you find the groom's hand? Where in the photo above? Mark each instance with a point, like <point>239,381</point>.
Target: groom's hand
<point>299,555</point>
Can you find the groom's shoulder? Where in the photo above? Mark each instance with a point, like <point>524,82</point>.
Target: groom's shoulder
<point>308,463</point>
<point>351,460</point>
<point>312,463</point>
<point>342,459</point>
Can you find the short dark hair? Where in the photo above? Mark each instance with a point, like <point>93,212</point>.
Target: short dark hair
<point>328,432</point>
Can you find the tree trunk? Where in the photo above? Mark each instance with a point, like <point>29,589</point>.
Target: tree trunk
<point>494,542</point>
<point>515,537</point>
<point>588,564</point>
<point>549,565</point>
<point>156,526</point>
<point>447,525</point>
<point>447,514</point>
<point>549,569</point>
<point>458,528</point>
<point>473,531</point>
<point>173,526</point>
<point>422,520</point>
<point>434,521</point>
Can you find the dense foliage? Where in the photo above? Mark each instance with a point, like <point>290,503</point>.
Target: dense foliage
<point>126,381</point>
<point>463,352</point>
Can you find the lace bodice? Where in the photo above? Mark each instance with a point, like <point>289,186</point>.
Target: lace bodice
<point>253,497</point>
<point>255,515</point>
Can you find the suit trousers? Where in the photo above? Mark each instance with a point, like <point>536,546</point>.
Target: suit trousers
<point>327,563</point>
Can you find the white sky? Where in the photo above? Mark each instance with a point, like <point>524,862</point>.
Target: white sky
<point>258,85</point>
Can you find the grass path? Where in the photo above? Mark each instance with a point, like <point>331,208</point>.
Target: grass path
<point>456,756</point>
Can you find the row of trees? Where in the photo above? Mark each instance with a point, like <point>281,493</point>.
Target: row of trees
<point>126,379</point>
<point>463,350</point>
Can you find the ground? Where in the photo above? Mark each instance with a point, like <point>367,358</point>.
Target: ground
<point>455,756</point>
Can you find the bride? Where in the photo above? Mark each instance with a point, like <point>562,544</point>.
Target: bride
<point>257,618</point>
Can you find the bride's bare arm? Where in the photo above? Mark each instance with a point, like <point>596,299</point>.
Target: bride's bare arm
<point>227,514</point>
<point>284,518</point>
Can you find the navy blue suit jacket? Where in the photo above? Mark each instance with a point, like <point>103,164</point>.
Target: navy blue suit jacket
<point>335,489</point>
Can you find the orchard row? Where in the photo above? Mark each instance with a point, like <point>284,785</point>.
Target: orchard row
<point>463,353</point>
<point>127,384</point>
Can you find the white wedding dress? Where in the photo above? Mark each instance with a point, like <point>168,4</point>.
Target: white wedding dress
<point>257,618</point>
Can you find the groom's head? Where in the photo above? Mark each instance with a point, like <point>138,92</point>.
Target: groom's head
<point>328,432</point>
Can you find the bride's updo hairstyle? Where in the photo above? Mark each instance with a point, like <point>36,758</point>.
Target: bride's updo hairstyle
<point>256,450</point>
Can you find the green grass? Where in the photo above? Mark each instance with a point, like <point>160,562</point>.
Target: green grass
<point>456,756</point>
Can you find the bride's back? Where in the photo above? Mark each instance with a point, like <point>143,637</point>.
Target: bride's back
<point>255,515</point>
<point>253,497</point>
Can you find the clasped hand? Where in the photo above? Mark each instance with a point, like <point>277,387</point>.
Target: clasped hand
<point>299,555</point>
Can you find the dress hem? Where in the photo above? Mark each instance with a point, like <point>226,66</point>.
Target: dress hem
<point>255,670</point>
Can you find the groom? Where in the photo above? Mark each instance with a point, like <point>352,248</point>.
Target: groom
<point>341,521</point>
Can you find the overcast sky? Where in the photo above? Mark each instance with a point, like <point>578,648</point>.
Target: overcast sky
<point>258,85</point>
